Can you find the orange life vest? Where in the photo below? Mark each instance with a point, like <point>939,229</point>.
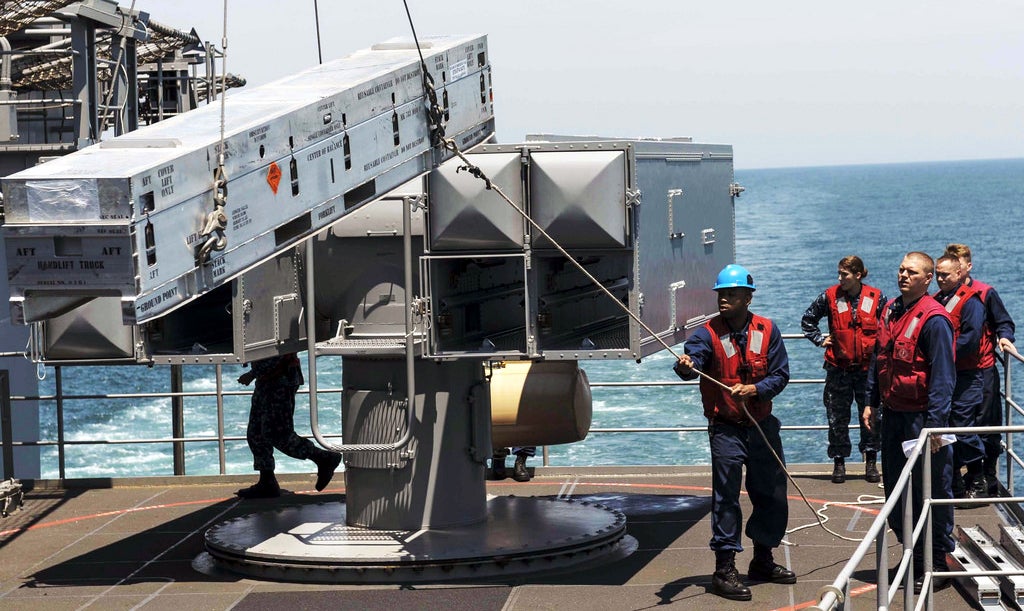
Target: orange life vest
<point>902,369</point>
<point>955,307</point>
<point>732,367</point>
<point>854,332</point>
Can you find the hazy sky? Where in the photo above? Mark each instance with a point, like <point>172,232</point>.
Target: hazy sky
<point>786,83</point>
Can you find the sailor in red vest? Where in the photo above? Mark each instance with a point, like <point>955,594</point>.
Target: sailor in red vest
<point>911,385</point>
<point>853,310</point>
<point>745,353</point>
<point>967,313</point>
<point>999,332</point>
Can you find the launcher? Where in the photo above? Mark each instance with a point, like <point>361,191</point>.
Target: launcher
<point>162,215</point>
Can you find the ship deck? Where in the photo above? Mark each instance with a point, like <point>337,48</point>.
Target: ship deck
<point>138,544</point>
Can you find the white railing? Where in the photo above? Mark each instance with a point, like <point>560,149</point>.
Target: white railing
<point>837,594</point>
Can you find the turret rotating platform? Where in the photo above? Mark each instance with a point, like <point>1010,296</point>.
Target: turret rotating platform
<point>520,535</point>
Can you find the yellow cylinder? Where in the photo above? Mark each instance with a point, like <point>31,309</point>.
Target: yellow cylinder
<point>539,404</point>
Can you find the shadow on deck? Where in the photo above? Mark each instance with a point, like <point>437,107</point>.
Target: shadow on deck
<point>133,544</point>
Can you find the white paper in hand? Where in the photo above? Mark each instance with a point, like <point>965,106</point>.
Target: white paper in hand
<point>908,445</point>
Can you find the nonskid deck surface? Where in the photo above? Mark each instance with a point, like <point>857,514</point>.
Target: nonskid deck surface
<point>140,546</point>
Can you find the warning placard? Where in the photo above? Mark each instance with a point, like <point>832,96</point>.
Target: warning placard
<point>273,176</point>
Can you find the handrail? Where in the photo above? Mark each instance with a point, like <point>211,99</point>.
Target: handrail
<point>410,376</point>
<point>834,595</point>
<point>220,393</point>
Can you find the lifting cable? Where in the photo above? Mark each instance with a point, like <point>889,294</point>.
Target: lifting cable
<point>216,221</point>
<point>476,171</point>
<point>435,115</point>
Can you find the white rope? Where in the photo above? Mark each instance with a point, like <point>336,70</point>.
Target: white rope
<point>864,499</point>
<point>215,224</point>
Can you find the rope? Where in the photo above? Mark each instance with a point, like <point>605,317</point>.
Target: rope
<point>435,116</point>
<point>450,145</point>
<point>477,172</point>
<point>789,476</point>
<point>316,19</point>
<point>216,220</point>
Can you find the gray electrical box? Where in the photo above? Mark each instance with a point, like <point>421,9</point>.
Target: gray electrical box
<point>651,220</point>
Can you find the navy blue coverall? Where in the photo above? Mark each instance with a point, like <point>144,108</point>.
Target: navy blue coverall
<point>734,446</point>
<point>936,344</point>
<point>1001,323</point>
<point>967,394</point>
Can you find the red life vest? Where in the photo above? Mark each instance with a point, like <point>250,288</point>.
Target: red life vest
<point>955,307</point>
<point>732,367</point>
<point>853,337</point>
<point>987,347</point>
<point>902,369</point>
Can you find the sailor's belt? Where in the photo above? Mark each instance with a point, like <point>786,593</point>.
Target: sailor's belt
<point>744,424</point>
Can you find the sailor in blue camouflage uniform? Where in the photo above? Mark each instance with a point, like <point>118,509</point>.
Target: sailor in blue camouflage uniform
<point>271,425</point>
<point>853,310</point>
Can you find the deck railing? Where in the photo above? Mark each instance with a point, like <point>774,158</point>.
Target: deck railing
<point>832,597</point>
<point>178,439</point>
<point>837,594</point>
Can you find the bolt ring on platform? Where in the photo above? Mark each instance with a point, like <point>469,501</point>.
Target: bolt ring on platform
<point>521,535</point>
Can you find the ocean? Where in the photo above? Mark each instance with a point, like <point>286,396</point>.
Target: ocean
<point>793,226</point>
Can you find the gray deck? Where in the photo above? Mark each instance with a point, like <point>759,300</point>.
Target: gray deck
<point>131,544</point>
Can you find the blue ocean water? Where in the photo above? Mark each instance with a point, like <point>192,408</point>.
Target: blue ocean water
<point>793,226</point>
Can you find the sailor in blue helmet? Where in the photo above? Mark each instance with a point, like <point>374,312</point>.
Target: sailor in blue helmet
<point>745,353</point>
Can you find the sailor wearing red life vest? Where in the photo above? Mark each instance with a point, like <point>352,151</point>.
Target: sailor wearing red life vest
<point>912,386</point>
<point>999,332</point>
<point>853,310</point>
<point>967,312</point>
<point>746,353</point>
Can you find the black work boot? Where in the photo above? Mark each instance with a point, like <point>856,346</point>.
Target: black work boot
<point>725,582</point>
<point>839,471</point>
<point>519,471</point>
<point>326,463</point>
<point>938,583</point>
<point>871,474</point>
<point>974,487</point>
<point>266,488</point>
<point>498,470</point>
<point>763,568</point>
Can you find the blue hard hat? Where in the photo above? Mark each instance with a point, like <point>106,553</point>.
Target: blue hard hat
<point>733,276</point>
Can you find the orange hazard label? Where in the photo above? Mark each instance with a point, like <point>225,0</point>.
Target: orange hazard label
<point>273,177</point>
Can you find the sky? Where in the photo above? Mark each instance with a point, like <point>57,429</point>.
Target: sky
<point>786,83</point>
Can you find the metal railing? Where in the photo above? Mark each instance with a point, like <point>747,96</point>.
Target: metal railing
<point>837,594</point>
<point>833,596</point>
<point>178,440</point>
